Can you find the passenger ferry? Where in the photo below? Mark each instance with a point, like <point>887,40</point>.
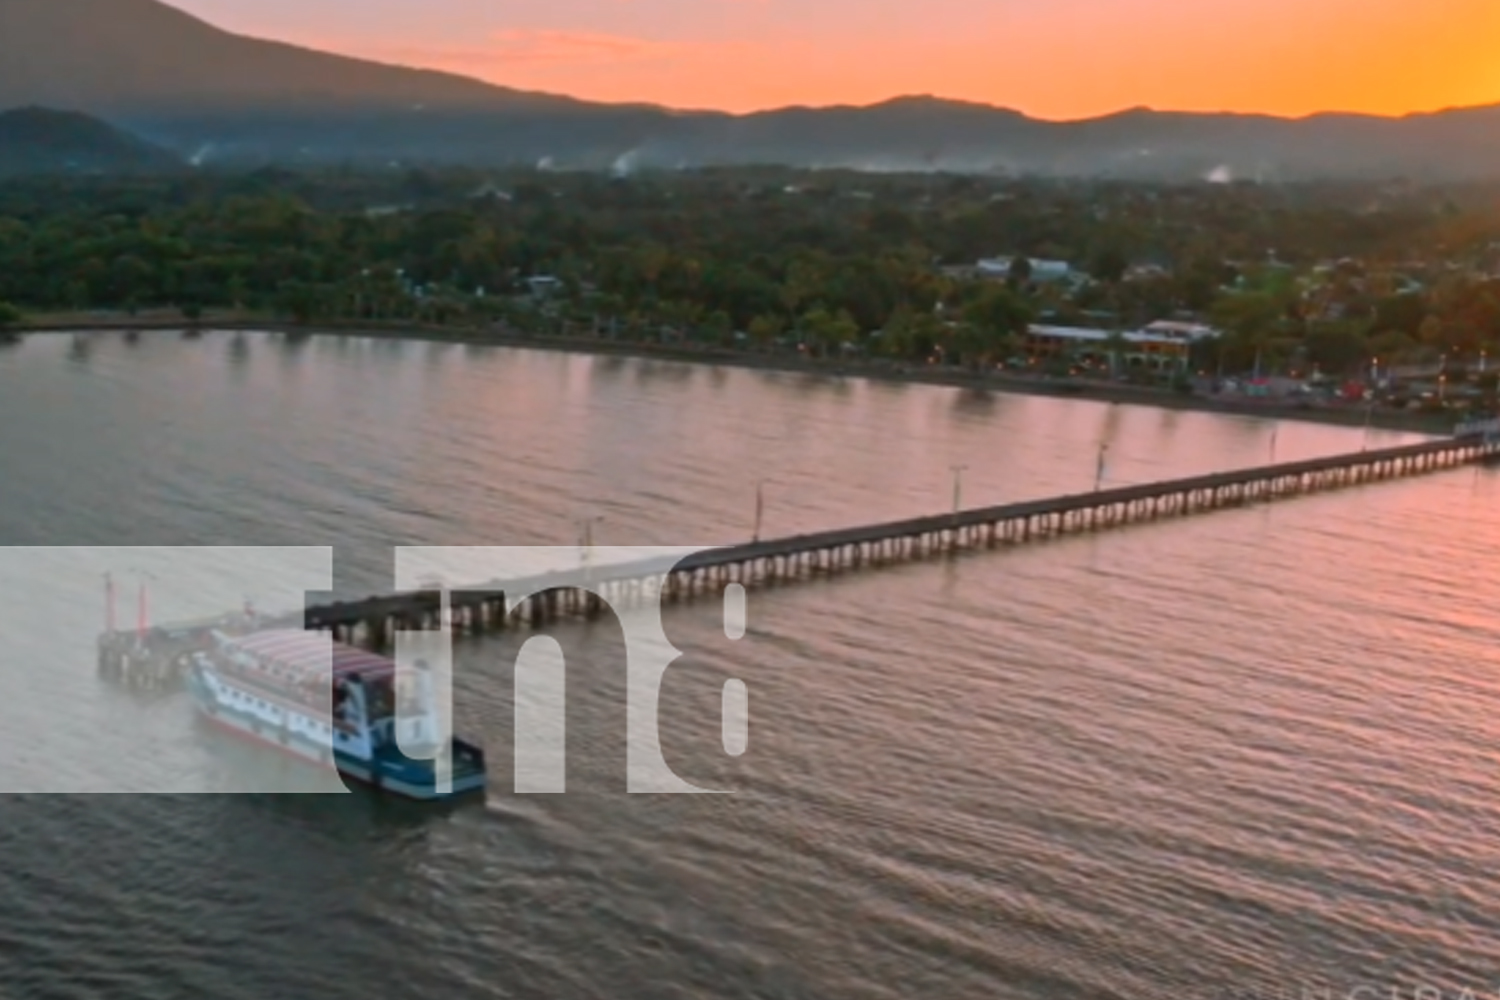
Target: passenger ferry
<point>327,703</point>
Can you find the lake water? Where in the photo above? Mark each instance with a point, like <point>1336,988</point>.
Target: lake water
<point>1247,754</point>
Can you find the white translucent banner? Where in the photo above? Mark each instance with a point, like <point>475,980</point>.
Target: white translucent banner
<point>99,651</point>
<point>629,582</point>
<point>186,669</point>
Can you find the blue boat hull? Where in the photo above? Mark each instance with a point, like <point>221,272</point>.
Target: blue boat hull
<point>389,771</point>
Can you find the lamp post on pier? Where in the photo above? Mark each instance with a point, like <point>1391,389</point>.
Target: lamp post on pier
<point>760,508</point>
<point>586,543</point>
<point>143,613</point>
<point>109,604</point>
<point>436,581</point>
<point>958,485</point>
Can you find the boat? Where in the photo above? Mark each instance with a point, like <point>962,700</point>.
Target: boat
<point>329,703</point>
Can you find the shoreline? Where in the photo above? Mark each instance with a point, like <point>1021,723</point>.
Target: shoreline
<point>1102,392</point>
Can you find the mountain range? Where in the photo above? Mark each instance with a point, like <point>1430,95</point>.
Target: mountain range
<point>214,96</point>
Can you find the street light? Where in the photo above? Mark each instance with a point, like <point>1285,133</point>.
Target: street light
<point>586,542</point>
<point>587,524</point>
<point>958,482</point>
<point>435,581</point>
<point>760,508</point>
<point>143,616</point>
<point>109,603</point>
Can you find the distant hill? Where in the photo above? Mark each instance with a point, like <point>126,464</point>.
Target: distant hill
<point>212,93</point>
<point>214,96</point>
<point>43,141</point>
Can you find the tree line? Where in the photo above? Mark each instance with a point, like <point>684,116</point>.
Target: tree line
<point>769,256</point>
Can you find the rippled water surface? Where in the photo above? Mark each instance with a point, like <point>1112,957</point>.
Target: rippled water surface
<point>1248,753</point>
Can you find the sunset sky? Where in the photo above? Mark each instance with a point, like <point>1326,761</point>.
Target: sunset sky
<point>1049,58</point>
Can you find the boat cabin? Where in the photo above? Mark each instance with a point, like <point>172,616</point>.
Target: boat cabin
<point>304,676</point>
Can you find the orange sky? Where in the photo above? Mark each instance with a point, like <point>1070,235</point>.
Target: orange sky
<point>1050,58</point>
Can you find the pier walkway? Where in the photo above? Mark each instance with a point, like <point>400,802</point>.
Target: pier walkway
<point>543,597</point>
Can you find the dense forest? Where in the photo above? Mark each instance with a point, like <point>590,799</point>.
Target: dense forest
<point>1333,273</point>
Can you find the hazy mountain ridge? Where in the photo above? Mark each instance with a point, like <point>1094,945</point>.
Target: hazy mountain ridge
<point>113,56</point>
<point>40,140</point>
<point>214,95</point>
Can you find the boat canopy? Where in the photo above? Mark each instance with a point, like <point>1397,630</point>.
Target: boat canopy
<point>302,656</point>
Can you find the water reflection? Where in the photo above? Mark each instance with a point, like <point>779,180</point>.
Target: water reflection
<point>80,349</point>
<point>352,814</point>
<point>1246,428</point>
<point>239,350</point>
<point>612,365</point>
<point>659,371</point>
<point>1110,426</point>
<point>887,387</point>
<point>1079,685</point>
<point>292,353</point>
<point>979,402</point>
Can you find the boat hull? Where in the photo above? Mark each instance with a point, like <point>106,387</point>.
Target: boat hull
<point>391,772</point>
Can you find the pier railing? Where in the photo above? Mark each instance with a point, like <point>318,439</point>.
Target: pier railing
<point>585,590</point>
<point>543,596</point>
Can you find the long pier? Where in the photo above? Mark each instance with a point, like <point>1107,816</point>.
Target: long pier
<point>544,597</point>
